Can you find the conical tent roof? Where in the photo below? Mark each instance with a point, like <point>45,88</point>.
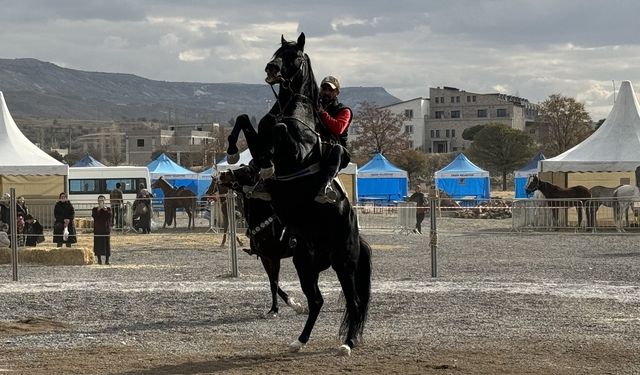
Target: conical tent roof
<point>88,161</point>
<point>165,167</point>
<point>531,167</point>
<point>20,157</point>
<point>378,167</point>
<point>612,148</point>
<point>461,167</point>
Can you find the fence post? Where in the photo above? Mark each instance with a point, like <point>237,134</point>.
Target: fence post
<point>433,234</point>
<point>231,212</point>
<point>13,222</point>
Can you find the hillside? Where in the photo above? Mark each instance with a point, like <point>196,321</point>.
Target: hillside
<point>34,88</point>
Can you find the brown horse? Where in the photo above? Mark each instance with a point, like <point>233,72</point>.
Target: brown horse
<point>561,197</point>
<point>174,199</point>
<point>219,191</point>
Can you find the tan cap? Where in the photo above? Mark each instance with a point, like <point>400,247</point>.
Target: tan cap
<point>332,82</point>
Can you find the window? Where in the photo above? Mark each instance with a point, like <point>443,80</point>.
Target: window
<point>140,142</point>
<point>473,98</point>
<point>501,112</point>
<point>408,129</point>
<point>457,99</point>
<point>468,99</point>
<point>455,114</point>
<point>442,99</point>
<point>453,133</point>
<point>482,113</point>
<point>432,134</point>
<point>408,113</point>
<point>447,133</point>
<point>437,133</point>
<point>453,99</point>
<point>437,100</point>
<point>439,114</point>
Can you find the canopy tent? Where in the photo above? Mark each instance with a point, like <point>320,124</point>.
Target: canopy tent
<point>204,180</point>
<point>25,167</point>
<point>173,173</point>
<point>463,180</point>
<point>380,180</point>
<point>522,174</point>
<point>88,161</point>
<point>612,148</point>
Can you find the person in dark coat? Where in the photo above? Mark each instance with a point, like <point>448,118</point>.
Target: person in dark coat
<point>64,213</point>
<point>4,209</point>
<point>101,231</point>
<point>421,208</point>
<point>33,231</point>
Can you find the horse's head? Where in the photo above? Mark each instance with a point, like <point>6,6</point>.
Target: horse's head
<point>287,63</point>
<point>533,183</point>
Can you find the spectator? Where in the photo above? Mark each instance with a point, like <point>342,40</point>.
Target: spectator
<point>115,199</point>
<point>33,231</point>
<point>21,207</point>
<point>4,208</point>
<point>64,214</point>
<point>101,231</point>
<point>4,237</point>
<point>421,208</point>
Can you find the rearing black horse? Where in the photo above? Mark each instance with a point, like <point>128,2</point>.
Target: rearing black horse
<point>288,144</point>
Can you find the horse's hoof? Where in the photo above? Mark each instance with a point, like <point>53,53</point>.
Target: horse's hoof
<point>270,315</point>
<point>344,351</point>
<point>295,346</point>
<point>297,307</point>
<point>233,158</point>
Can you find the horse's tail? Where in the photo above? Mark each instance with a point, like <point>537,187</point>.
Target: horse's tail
<point>363,291</point>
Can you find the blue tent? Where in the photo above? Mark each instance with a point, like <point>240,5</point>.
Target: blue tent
<point>379,180</point>
<point>173,173</point>
<point>204,180</point>
<point>522,174</point>
<point>88,161</point>
<point>464,181</point>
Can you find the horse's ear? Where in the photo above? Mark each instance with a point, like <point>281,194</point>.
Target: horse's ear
<point>301,42</point>
<point>282,41</point>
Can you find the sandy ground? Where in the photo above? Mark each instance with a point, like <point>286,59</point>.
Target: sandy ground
<point>503,303</point>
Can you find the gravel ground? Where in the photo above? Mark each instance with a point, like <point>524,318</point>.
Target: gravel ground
<point>503,302</point>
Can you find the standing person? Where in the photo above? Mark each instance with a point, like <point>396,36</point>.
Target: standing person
<point>101,231</point>
<point>33,231</point>
<point>21,207</point>
<point>4,208</point>
<point>142,211</point>
<point>335,118</point>
<point>421,208</point>
<point>4,236</point>
<point>63,212</point>
<point>115,200</point>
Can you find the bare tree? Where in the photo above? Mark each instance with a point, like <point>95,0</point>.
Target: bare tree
<point>569,123</point>
<point>378,131</point>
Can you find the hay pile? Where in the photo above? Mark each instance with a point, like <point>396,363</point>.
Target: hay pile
<point>50,256</point>
<point>83,223</point>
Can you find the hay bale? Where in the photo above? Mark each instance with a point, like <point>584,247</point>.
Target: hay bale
<point>50,256</point>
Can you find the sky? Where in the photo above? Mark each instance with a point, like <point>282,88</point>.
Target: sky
<point>533,49</point>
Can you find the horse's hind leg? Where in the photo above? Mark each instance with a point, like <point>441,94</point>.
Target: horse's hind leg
<point>309,283</point>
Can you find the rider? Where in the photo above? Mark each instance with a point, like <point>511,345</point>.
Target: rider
<point>335,118</point>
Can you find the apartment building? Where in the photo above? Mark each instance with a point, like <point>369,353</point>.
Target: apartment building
<point>414,112</point>
<point>452,110</point>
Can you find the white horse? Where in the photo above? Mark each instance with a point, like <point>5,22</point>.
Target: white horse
<point>625,195</point>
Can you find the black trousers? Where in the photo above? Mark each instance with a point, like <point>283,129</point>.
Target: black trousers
<point>419,219</point>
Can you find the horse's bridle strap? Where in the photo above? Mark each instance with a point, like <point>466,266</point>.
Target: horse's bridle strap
<point>312,169</point>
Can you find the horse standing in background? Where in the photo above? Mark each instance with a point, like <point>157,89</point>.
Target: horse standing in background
<point>174,199</point>
<point>574,196</point>
<point>603,196</point>
<point>268,238</point>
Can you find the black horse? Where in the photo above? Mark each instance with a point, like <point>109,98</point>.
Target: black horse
<point>288,144</point>
<point>266,232</point>
<point>559,197</point>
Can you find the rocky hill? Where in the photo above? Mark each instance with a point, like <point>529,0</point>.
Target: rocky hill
<point>34,88</point>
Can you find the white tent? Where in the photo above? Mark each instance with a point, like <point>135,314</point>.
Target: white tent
<point>245,158</point>
<point>23,165</point>
<point>614,147</point>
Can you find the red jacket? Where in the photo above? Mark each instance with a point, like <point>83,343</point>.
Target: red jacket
<point>339,124</point>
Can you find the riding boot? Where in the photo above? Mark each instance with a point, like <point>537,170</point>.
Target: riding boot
<point>99,259</point>
<point>106,260</point>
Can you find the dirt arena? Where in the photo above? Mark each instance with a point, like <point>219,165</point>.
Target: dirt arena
<point>503,303</point>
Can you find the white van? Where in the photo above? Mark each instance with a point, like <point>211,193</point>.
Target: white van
<point>87,183</point>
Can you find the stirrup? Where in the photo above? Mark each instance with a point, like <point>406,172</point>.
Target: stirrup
<point>327,195</point>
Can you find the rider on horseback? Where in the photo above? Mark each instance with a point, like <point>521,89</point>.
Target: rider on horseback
<point>335,118</point>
